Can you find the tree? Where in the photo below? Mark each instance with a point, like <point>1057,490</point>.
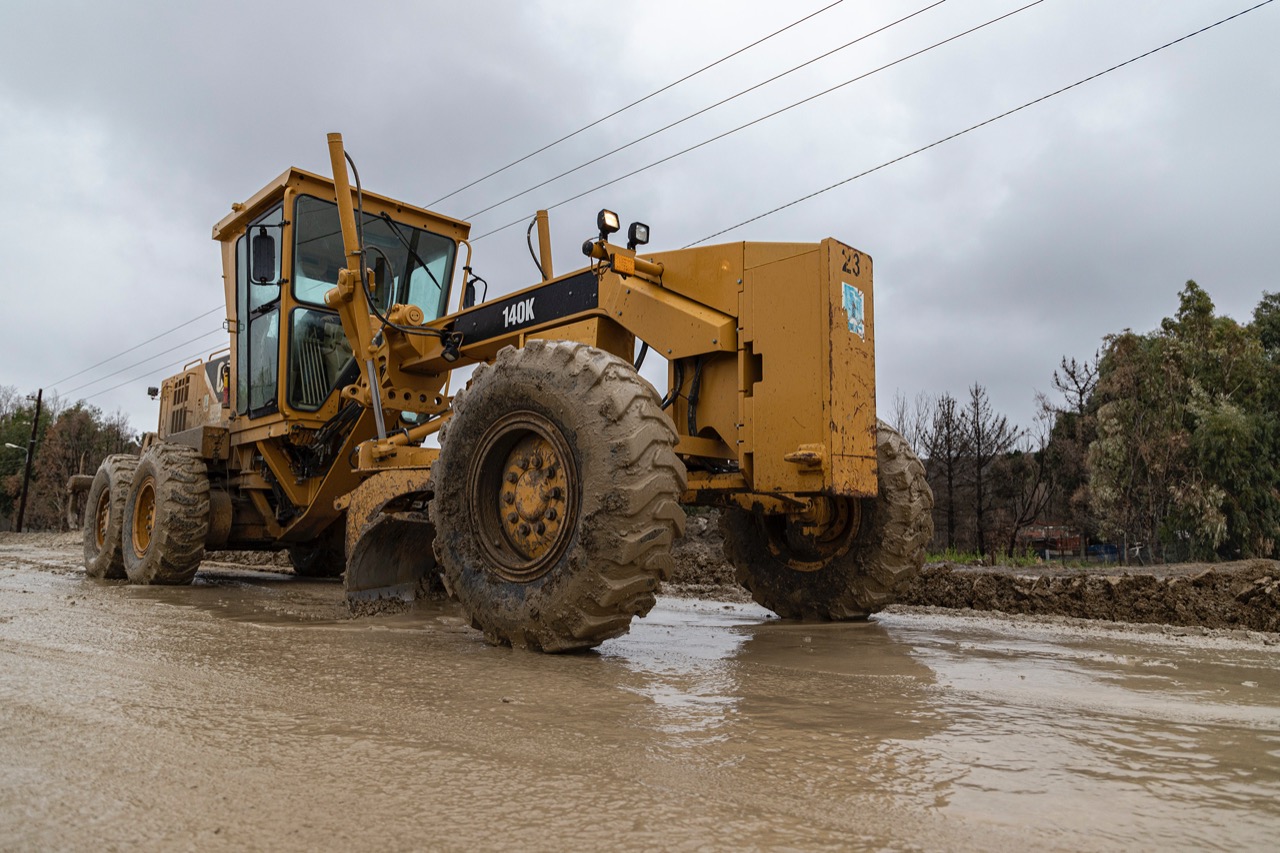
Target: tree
<point>947,448</point>
<point>1073,427</point>
<point>1027,484</point>
<point>72,441</point>
<point>1185,458</point>
<point>912,420</point>
<point>989,437</point>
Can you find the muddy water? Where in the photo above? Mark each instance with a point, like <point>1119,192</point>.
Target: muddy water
<point>246,711</point>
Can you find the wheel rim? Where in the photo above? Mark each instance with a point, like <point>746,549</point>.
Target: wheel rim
<point>524,496</point>
<point>103,516</point>
<point>144,517</point>
<point>808,541</point>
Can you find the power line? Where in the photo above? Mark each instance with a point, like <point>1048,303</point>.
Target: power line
<point>979,124</point>
<point>707,109</point>
<point>637,102</point>
<point>766,117</point>
<point>138,378</point>
<point>132,348</point>
<point>143,361</point>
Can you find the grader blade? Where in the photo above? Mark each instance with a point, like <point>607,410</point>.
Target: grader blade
<point>389,540</point>
<point>392,559</point>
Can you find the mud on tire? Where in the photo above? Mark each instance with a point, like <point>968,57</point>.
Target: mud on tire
<point>886,552</point>
<point>166,516</point>
<point>104,516</point>
<point>556,497</point>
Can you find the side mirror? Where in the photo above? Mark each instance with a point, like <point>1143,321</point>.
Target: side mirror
<point>263,266</point>
<point>469,295</point>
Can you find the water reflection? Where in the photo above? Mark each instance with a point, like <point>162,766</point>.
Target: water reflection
<point>1133,741</point>
<point>681,658</point>
<point>1084,739</point>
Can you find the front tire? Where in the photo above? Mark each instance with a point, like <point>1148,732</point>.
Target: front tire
<point>855,576</point>
<point>166,516</point>
<point>556,497</point>
<point>104,510</point>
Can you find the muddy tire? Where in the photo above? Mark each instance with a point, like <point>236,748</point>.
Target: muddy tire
<point>858,575</point>
<point>556,497</point>
<point>323,557</point>
<point>104,516</point>
<point>166,516</point>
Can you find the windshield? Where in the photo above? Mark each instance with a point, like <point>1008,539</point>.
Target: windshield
<point>417,263</point>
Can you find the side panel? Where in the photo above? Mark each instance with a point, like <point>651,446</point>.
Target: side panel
<point>852,397</point>
<point>809,421</point>
<point>784,322</point>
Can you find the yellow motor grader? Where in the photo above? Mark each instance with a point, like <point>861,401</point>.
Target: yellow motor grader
<point>550,507</point>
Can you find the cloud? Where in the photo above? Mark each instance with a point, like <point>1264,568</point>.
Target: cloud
<point>130,128</point>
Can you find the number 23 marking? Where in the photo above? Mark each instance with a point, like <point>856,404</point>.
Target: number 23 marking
<point>852,261</point>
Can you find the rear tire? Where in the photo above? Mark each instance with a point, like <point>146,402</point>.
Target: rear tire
<point>166,516</point>
<point>104,517</point>
<point>556,497</point>
<point>862,577</point>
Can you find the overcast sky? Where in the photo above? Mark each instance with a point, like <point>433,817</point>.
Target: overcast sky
<point>129,128</point>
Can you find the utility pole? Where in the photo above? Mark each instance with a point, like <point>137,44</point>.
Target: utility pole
<point>31,455</point>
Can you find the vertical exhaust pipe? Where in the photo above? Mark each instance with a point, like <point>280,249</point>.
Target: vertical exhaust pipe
<point>544,245</point>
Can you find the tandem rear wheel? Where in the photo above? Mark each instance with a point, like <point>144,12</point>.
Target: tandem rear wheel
<point>166,516</point>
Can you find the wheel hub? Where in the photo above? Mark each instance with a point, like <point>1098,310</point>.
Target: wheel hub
<point>144,518</point>
<point>807,540</point>
<point>532,499</point>
<point>103,516</point>
<point>524,496</point>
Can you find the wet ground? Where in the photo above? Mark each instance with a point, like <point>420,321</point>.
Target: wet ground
<point>248,711</point>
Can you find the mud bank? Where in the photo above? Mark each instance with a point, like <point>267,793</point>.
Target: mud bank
<point>1244,595</point>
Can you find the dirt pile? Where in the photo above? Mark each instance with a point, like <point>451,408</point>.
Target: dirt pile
<point>701,570</point>
<point>1243,594</point>
<point>42,539</point>
<point>262,559</point>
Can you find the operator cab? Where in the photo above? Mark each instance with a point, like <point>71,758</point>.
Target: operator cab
<point>288,255</point>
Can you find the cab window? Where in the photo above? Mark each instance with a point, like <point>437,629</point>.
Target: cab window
<point>258,330</point>
<point>417,264</point>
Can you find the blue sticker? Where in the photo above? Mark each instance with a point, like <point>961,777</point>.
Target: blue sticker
<point>853,308</point>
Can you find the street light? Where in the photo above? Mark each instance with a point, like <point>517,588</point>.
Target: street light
<point>14,446</point>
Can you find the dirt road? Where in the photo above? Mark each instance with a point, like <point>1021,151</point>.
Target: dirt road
<point>248,711</point>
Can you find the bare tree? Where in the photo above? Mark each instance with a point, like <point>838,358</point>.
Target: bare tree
<point>912,419</point>
<point>1030,482</point>
<point>989,437</point>
<point>1075,380</point>
<point>947,447</point>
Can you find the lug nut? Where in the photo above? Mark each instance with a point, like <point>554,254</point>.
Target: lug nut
<point>524,529</point>
<point>524,464</point>
<point>551,514</point>
<point>508,498</point>
<point>555,493</point>
<point>536,462</point>
<point>513,477</point>
<point>512,517</point>
<point>551,471</point>
<point>541,528</point>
